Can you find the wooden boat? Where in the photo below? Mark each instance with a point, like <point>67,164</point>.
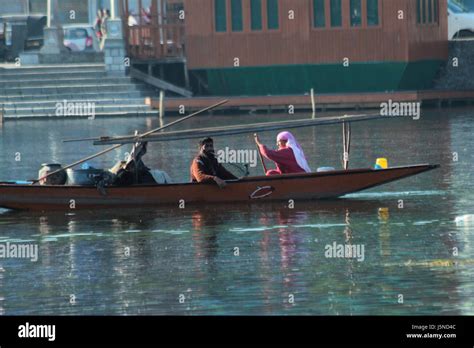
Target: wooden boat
<point>307,186</point>
<point>296,187</point>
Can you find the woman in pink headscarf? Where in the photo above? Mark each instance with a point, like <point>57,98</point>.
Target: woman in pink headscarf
<point>289,158</point>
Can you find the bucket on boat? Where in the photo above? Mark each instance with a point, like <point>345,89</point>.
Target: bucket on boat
<point>84,177</point>
<point>381,163</point>
<point>56,179</point>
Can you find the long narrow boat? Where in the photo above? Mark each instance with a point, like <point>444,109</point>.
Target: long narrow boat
<point>308,186</point>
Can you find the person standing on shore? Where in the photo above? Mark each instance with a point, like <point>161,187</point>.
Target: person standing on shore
<point>103,27</point>
<point>97,25</point>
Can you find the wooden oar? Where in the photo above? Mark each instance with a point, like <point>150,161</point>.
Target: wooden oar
<point>261,157</point>
<point>137,139</point>
<point>346,141</point>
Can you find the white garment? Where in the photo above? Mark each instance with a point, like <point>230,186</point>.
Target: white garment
<point>297,150</point>
<point>132,21</point>
<point>160,176</point>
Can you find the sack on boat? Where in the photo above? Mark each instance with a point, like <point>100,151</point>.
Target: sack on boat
<point>55,179</point>
<point>325,169</point>
<point>160,176</point>
<point>131,176</point>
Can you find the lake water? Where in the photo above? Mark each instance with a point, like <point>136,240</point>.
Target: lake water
<point>416,235</point>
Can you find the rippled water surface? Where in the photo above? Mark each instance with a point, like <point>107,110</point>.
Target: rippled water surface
<point>416,234</point>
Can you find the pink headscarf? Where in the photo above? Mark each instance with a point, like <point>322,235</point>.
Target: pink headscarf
<point>297,150</point>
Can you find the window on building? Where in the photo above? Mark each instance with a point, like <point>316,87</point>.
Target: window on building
<point>356,13</point>
<point>106,3</point>
<point>141,15</point>
<point>171,13</point>
<point>272,14</point>
<point>434,5</point>
<point>236,10</point>
<point>318,14</point>
<point>430,11</point>
<point>256,14</point>
<point>418,11</point>
<point>427,11</point>
<point>336,13</point>
<point>13,7</point>
<point>220,14</point>
<point>38,6</point>
<point>423,11</point>
<point>372,12</point>
<point>73,11</point>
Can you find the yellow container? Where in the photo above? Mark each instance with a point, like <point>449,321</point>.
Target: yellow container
<point>384,214</point>
<point>381,163</point>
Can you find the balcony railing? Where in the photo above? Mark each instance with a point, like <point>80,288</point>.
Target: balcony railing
<point>153,29</point>
<point>155,41</point>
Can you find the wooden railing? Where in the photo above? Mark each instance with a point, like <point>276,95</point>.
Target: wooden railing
<point>155,41</point>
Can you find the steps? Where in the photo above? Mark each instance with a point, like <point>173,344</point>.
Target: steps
<point>44,90</point>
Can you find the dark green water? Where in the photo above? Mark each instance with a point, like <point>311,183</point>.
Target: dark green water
<point>258,259</point>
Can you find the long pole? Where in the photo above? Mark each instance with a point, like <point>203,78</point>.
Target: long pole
<point>112,9</point>
<point>313,103</point>
<point>162,97</point>
<point>261,157</point>
<point>346,140</point>
<point>1,115</point>
<point>138,138</point>
<point>48,24</point>
<point>344,145</point>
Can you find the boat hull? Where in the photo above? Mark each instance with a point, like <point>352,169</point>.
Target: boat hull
<point>252,189</point>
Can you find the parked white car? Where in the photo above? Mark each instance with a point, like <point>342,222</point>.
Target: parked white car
<point>460,20</point>
<point>79,38</point>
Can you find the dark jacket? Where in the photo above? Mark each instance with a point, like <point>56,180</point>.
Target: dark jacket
<point>204,168</point>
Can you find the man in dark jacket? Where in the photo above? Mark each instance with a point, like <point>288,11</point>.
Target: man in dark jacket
<point>206,169</point>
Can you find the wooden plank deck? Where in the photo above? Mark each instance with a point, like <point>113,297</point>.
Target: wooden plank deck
<point>353,101</point>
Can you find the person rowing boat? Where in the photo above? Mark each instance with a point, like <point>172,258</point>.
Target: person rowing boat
<point>206,169</point>
<point>289,158</point>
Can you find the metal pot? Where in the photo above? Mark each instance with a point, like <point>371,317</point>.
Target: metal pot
<point>83,177</point>
<point>56,179</point>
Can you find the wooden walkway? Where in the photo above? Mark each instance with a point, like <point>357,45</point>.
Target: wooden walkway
<point>324,102</point>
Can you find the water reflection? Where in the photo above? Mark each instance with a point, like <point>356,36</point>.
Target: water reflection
<point>281,253</point>
<point>145,261</point>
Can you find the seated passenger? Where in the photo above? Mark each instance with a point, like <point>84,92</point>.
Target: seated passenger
<point>289,158</point>
<point>206,169</point>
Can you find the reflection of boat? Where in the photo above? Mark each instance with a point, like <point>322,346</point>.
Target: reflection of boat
<point>306,186</point>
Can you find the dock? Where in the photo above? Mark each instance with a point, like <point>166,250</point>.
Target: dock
<point>323,102</point>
